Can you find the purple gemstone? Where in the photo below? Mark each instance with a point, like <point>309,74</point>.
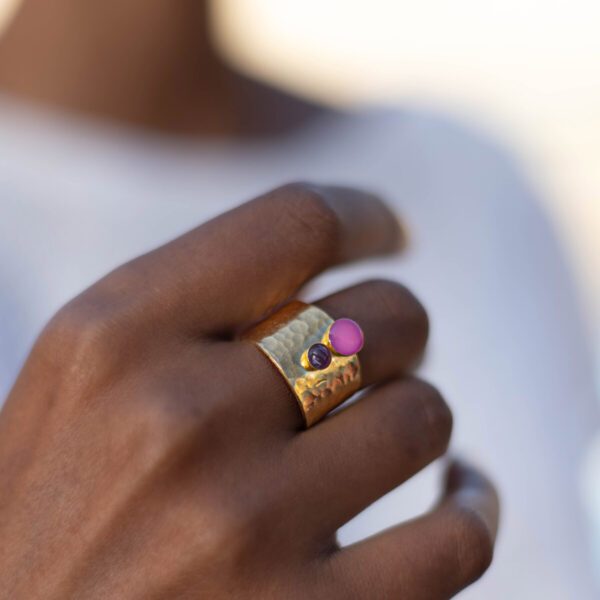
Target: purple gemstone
<point>346,337</point>
<point>319,356</point>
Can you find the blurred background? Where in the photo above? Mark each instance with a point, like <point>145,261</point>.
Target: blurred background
<point>525,71</point>
<point>528,71</point>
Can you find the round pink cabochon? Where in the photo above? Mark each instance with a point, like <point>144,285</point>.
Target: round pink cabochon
<point>346,337</point>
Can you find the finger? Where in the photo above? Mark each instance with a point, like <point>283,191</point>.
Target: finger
<point>240,265</point>
<point>432,557</point>
<point>395,326</point>
<point>394,322</point>
<point>353,458</point>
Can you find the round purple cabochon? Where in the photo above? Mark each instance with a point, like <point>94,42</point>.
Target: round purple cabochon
<point>346,337</point>
<point>319,356</point>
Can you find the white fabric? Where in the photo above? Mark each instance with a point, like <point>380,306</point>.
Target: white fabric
<point>507,345</point>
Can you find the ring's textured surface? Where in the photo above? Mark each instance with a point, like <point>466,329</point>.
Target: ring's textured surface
<point>285,338</point>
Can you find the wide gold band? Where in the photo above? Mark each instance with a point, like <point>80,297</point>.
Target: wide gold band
<point>284,337</point>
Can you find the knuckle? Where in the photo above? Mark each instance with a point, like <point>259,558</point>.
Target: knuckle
<point>78,330</point>
<point>235,529</point>
<point>157,433</point>
<point>178,403</point>
<point>307,211</point>
<point>170,415</point>
<point>83,341</point>
<point>474,544</point>
<point>419,320</point>
<point>392,293</point>
<point>435,413</point>
<point>420,426</point>
<point>403,308</point>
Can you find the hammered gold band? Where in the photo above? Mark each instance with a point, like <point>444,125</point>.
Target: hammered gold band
<point>285,337</point>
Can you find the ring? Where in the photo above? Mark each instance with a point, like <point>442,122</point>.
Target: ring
<point>316,355</point>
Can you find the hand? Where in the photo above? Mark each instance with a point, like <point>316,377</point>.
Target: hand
<point>146,452</point>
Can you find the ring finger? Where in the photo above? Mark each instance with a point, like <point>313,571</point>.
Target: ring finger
<point>395,327</point>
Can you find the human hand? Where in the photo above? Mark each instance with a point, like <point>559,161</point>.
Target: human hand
<point>147,452</point>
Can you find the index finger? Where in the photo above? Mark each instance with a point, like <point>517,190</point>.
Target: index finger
<point>235,268</point>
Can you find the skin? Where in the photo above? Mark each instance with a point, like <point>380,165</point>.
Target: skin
<point>145,450</point>
<point>144,63</point>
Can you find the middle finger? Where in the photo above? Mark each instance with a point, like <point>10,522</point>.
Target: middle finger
<point>354,458</point>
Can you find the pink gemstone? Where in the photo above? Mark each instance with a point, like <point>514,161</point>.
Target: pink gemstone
<point>346,337</point>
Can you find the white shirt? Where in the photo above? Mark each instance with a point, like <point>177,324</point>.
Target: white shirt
<point>507,346</point>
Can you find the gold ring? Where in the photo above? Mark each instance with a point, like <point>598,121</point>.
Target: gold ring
<point>316,355</point>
